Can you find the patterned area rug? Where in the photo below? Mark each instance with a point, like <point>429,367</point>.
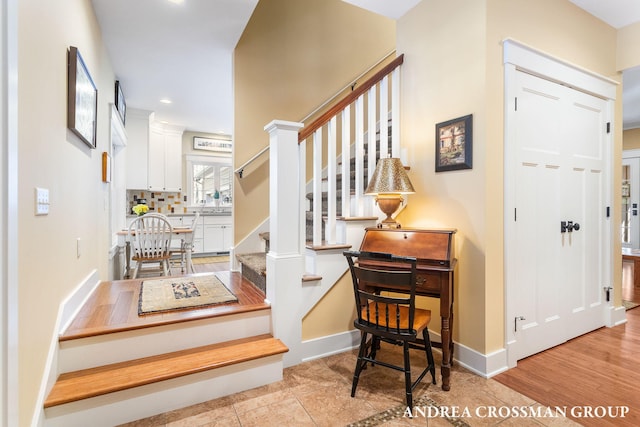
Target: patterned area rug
<point>628,305</point>
<point>399,413</point>
<point>160,295</point>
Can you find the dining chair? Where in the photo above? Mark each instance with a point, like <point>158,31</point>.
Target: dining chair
<point>150,239</point>
<point>392,319</point>
<point>186,244</point>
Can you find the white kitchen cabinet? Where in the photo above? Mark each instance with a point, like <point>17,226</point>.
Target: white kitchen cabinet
<point>218,234</point>
<point>137,150</point>
<point>165,158</point>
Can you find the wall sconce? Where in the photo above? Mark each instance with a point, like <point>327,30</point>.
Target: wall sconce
<point>388,183</point>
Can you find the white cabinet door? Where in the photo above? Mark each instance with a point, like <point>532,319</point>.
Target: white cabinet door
<point>217,234</point>
<point>156,159</point>
<point>137,150</point>
<point>173,162</point>
<point>165,159</point>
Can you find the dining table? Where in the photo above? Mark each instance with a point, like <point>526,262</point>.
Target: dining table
<point>185,234</point>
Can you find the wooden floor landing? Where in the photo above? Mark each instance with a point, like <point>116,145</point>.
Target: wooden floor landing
<point>113,306</point>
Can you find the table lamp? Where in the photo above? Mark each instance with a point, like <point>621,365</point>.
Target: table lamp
<point>388,183</point>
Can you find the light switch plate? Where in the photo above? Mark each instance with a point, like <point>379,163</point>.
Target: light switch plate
<point>42,201</point>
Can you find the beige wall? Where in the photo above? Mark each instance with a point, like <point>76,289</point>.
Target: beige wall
<point>50,156</point>
<point>453,67</point>
<point>631,139</point>
<point>628,48</point>
<point>292,56</point>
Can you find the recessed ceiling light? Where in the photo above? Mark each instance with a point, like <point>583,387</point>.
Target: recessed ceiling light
<point>165,101</point>
<point>176,1</point>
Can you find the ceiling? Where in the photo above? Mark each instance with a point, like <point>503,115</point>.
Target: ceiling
<point>181,50</point>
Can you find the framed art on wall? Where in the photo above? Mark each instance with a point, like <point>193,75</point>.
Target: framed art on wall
<point>121,104</point>
<point>454,144</point>
<point>211,144</point>
<point>82,99</point>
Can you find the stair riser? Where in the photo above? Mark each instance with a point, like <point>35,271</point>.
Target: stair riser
<point>118,347</point>
<point>145,401</point>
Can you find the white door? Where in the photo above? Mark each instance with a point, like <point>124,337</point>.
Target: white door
<point>630,224</point>
<point>556,242</point>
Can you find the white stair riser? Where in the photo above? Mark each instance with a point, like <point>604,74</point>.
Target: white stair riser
<point>145,401</point>
<point>118,347</point>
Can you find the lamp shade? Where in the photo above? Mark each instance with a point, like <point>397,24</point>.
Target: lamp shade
<point>389,177</point>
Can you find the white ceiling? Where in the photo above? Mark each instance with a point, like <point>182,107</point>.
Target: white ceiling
<point>183,52</point>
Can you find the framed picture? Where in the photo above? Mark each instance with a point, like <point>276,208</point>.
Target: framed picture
<point>211,144</point>
<point>454,144</point>
<point>121,105</point>
<point>82,99</point>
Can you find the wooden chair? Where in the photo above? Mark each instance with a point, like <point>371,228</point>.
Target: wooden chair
<point>393,319</point>
<point>150,239</point>
<point>186,244</point>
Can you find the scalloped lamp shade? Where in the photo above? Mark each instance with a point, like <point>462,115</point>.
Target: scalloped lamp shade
<point>389,182</point>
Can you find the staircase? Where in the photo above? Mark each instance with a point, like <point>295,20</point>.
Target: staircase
<point>316,219</point>
<point>111,377</point>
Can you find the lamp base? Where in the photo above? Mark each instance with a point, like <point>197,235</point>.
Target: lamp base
<point>388,204</point>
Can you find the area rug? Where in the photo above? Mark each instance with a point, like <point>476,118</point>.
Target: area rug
<point>399,413</point>
<point>160,295</point>
<point>628,305</point>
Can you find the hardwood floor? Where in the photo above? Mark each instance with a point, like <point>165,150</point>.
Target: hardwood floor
<point>114,305</point>
<point>598,369</point>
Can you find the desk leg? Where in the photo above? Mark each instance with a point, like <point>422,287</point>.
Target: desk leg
<point>447,354</point>
<point>446,315</point>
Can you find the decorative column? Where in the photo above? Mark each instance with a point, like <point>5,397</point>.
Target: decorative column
<point>285,260</point>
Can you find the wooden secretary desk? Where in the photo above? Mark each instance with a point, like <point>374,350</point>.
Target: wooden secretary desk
<point>434,250</point>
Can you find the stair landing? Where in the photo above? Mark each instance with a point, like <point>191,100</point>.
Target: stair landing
<point>113,307</point>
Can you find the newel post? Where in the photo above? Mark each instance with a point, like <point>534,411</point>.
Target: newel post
<point>285,260</point>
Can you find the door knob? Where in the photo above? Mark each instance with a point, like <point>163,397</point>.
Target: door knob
<point>569,226</point>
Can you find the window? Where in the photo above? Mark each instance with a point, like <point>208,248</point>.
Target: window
<point>209,181</point>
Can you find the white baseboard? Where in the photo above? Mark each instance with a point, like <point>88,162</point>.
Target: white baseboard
<point>331,344</point>
<point>74,302</point>
<point>67,310</point>
<point>616,316</point>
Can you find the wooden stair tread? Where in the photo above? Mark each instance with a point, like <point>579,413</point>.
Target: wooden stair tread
<point>86,383</point>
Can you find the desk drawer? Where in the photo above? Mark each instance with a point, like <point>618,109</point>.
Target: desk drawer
<point>428,281</point>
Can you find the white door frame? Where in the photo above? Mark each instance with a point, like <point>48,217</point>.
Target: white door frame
<point>520,57</point>
<point>9,212</point>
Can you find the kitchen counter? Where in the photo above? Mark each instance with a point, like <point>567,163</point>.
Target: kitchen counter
<point>188,214</point>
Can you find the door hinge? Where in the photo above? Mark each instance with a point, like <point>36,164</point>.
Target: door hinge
<point>607,291</point>
<point>516,104</point>
<point>608,211</point>
<point>608,127</point>
<point>515,214</point>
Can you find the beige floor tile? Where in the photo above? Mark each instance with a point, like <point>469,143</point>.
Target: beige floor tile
<point>288,412</point>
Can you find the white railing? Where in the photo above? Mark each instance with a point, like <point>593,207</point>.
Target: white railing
<point>356,129</point>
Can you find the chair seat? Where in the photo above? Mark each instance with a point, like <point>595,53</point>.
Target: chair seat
<point>420,321</point>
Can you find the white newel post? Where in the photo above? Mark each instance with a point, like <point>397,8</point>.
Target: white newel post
<point>285,260</point>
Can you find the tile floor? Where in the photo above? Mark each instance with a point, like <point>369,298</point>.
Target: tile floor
<point>317,393</point>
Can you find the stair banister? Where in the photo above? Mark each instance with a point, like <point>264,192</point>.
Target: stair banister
<point>240,170</point>
<point>349,99</point>
<point>358,120</point>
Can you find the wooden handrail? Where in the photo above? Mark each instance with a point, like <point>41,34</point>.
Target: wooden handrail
<point>347,100</point>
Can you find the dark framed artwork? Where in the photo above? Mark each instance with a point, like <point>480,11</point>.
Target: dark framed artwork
<point>82,99</point>
<point>454,144</point>
<point>121,105</point>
